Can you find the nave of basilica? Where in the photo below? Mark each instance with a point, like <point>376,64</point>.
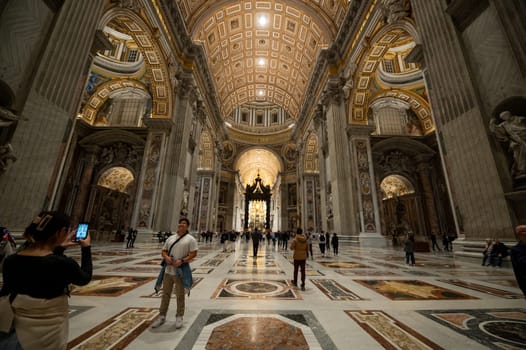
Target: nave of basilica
<point>369,118</point>
<point>374,119</point>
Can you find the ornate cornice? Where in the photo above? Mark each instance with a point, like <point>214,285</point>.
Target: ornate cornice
<point>331,56</point>
<point>193,54</point>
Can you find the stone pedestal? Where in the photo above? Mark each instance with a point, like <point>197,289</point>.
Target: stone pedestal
<point>373,240</point>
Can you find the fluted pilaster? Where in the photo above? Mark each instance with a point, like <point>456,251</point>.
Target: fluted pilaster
<point>341,198</point>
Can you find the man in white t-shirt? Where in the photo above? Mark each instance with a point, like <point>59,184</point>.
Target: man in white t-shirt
<point>177,252</point>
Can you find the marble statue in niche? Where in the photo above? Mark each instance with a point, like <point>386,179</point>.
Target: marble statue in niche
<point>512,131</point>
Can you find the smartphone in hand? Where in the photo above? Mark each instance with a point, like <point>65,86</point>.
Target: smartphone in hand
<point>82,231</point>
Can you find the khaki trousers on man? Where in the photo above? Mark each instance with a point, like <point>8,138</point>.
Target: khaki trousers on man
<point>168,284</point>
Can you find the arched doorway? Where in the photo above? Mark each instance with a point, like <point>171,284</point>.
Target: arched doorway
<point>110,204</point>
<point>400,206</point>
<point>257,205</point>
<point>259,178</point>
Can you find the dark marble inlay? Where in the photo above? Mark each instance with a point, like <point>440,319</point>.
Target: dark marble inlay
<point>110,286</point>
<point>257,287</point>
<point>494,328</point>
<point>366,272</point>
<point>213,262</point>
<point>334,290</point>
<point>256,272</point>
<point>514,332</point>
<point>343,264</point>
<point>136,269</point>
<point>412,290</point>
<point>419,273</point>
<point>484,289</point>
<point>259,263</point>
<point>200,270</point>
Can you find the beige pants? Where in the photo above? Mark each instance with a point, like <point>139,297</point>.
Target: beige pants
<point>41,324</point>
<point>168,284</point>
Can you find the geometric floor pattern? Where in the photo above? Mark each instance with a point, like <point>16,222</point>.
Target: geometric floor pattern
<point>364,298</point>
<point>494,328</point>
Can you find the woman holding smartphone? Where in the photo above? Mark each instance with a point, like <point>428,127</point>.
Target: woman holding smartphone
<point>36,281</point>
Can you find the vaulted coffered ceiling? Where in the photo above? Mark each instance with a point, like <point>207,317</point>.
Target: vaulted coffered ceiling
<point>262,50</point>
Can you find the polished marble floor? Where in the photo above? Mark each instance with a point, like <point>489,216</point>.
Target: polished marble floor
<point>364,298</point>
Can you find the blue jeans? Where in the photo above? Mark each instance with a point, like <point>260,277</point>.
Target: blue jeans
<point>159,281</point>
<point>9,341</point>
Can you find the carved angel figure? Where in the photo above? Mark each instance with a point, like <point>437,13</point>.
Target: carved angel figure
<point>512,130</point>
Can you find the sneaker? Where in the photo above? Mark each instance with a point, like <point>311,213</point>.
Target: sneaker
<point>178,322</point>
<point>157,289</point>
<point>293,283</point>
<point>159,322</point>
<point>303,287</point>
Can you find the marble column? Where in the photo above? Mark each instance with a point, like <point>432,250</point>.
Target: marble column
<point>89,160</point>
<point>193,174</point>
<point>424,172</point>
<point>204,206</point>
<point>45,66</point>
<point>177,157</point>
<point>462,120</point>
<point>325,210</point>
<point>363,170</point>
<point>311,215</point>
<point>148,186</point>
<point>343,209</point>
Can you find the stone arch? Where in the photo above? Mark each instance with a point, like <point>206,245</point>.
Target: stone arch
<point>106,137</point>
<point>258,159</point>
<point>116,178</point>
<point>109,207</point>
<point>365,79</point>
<point>515,104</point>
<point>400,158</point>
<point>412,101</point>
<point>395,185</point>
<point>159,87</point>
<point>104,91</point>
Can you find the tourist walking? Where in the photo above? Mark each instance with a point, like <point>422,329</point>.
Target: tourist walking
<point>301,253</point>
<point>434,243</point>
<point>321,243</point>
<point>409,248</point>
<point>335,243</point>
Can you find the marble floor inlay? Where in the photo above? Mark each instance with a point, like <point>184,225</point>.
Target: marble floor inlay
<point>494,328</point>
<point>334,290</point>
<point>484,289</point>
<point>390,333</point>
<point>255,289</point>
<point>363,299</point>
<point>119,330</point>
<point>412,290</point>
<point>221,329</point>
<point>110,286</point>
